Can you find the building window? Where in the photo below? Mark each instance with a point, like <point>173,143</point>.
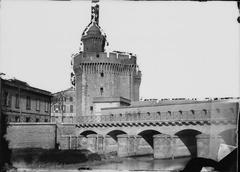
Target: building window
<point>56,108</point>
<point>28,103</point>
<point>27,119</point>
<point>37,119</point>
<point>101,90</point>
<point>5,98</point>
<point>46,106</point>
<point>37,105</point>
<point>9,100</point>
<point>97,55</point>
<point>102,74</point>
<point>17,101</point>
<point>63,108</point>
<point>46,120</point>
<point>17,119</point>
<point>71,99</point>
<point>91,108</point>
<point>71,108</point>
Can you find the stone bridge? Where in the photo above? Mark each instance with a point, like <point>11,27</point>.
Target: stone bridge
<point>166,134</point>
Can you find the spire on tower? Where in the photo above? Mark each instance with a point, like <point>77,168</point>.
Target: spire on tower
<point>93,37</point>
<point>95,12</point>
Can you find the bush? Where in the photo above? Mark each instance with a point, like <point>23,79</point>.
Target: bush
<point>94,157</point>
<point>31,155</point>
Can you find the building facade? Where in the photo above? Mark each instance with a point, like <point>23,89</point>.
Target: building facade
<point>99,74</point>
<point>63,107</point>
<point>22,103</point>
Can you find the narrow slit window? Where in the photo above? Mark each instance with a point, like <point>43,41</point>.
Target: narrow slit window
<point>101,90</point>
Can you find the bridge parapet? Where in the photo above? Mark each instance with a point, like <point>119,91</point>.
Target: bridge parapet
<point>170,116</point>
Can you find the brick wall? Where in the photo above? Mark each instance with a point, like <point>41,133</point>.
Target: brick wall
<point>31,135</point>
<point>104,76</point>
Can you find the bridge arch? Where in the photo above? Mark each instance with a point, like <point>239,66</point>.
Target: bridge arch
<point>87,132</point>
<point>147,135</point>
<point>115,133</point>
<point>229,136</point>
<point>188,137</point>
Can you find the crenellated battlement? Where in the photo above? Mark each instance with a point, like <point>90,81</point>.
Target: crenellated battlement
<point>103,57</point>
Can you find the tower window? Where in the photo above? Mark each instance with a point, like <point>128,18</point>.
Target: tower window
<point>193,112</point>
<point>71,108</point>
<point>91,108</point>
<point>102,74</point>
<point>101,90</point>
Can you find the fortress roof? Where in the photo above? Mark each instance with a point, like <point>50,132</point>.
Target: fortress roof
<point>94,30</point>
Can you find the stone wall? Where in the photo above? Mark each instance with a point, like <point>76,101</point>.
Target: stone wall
<point>31,135</point>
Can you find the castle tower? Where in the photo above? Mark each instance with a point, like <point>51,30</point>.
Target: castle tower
<point>100,76</point>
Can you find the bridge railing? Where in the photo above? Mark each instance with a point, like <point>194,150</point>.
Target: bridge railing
<point>193,115</point>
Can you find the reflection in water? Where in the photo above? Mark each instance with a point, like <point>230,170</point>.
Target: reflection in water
<point>143,163</point>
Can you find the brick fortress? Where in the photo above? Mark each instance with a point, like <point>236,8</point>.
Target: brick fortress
<point>103,79</point>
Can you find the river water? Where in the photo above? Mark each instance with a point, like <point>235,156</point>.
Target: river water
<point>142,163</point>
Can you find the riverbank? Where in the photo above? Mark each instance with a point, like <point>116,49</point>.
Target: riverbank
<point>84,160</point>
<point>43,158</point>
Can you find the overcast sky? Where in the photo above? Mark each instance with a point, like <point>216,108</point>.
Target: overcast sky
<point>184,49</point>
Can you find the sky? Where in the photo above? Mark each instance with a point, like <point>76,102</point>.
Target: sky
<point>184,49</point>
